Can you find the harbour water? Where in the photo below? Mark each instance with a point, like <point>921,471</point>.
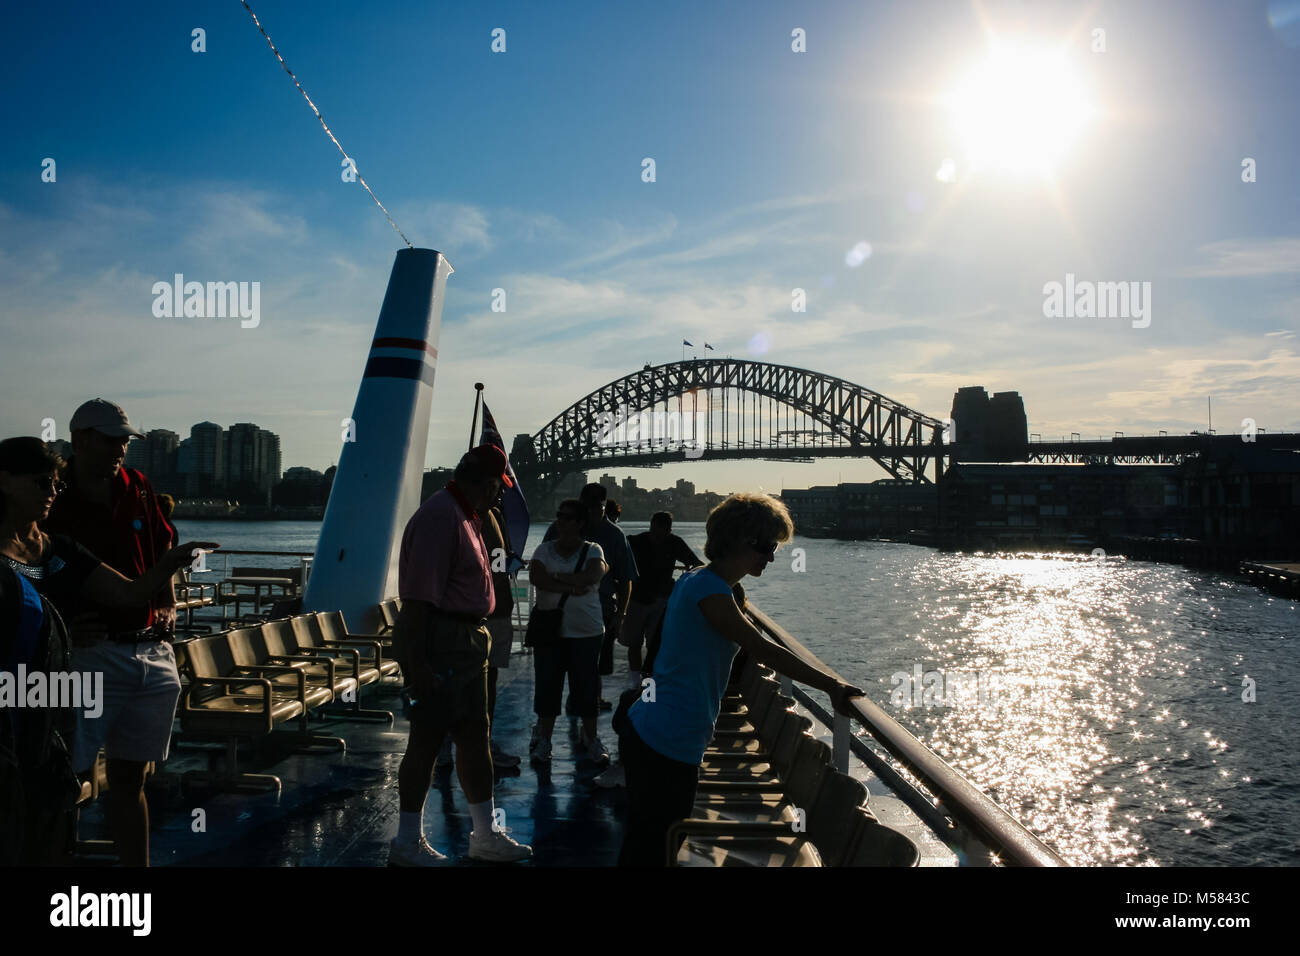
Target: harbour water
<point>1106,704</point>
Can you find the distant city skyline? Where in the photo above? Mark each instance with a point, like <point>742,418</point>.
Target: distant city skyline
<point>860,161</point>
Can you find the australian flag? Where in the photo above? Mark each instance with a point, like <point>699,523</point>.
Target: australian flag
<point>512,502</point>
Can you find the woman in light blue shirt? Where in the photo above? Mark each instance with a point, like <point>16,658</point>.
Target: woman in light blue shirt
<point>703,629</point>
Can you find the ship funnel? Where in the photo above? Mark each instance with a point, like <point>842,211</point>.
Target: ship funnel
<point>377,486</point>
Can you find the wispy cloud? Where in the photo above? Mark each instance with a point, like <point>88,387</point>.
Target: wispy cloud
<point>1233,258</point>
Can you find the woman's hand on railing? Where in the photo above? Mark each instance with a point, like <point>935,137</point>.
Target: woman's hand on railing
<point>840,696</point>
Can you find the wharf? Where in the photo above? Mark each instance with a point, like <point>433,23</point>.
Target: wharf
<point>1281,577</point>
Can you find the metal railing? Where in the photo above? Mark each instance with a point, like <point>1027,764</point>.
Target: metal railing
<point>960,802</point>
<point>958,797</point>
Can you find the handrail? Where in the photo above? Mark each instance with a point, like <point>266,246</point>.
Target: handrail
<point>965,802</point>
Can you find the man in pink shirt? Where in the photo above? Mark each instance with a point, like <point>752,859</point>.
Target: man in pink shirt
<point>445,583</point>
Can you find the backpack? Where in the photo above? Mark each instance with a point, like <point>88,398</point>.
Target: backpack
<point>38,785</point>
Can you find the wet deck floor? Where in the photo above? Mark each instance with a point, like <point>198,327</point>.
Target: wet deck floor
<point>341,809</point>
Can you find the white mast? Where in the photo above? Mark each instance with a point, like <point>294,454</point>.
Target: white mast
<point>377,486</point>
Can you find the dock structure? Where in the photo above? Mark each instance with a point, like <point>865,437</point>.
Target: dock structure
<point>1278,577</point>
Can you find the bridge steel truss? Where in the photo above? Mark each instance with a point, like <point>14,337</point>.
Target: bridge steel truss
<point>858,421</point>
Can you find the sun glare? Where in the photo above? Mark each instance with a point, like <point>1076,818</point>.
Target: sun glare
<point>1020,110</point>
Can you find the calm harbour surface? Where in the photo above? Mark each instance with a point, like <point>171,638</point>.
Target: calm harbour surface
<point>1103,703</point>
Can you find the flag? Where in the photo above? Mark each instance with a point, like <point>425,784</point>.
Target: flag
<point>708,346</point>
<point>684,342</point>
<point>512,502</point>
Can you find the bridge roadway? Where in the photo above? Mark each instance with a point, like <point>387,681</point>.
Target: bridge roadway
<point>1123,450</point>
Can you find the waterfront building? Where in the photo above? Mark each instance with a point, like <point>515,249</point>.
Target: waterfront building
<point>989,429</point>
<point>1000,504</point>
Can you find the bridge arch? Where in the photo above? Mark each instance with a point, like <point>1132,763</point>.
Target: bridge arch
<point>848,420</point>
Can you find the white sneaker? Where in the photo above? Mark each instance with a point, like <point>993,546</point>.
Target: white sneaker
<point>419,853</point>
<point>539,750</point>
<point>596,751</point>
<point>496,846</point>
<point>615,776</point>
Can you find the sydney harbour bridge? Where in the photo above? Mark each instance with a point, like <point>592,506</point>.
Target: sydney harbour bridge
<point>718,409</point>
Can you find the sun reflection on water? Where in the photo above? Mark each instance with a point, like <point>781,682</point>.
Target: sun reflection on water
<point>1115,712</point>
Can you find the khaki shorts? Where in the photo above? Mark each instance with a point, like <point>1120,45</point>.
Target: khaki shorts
<point>458,655</point>
<point>502,630</point>
<point>639,618</point>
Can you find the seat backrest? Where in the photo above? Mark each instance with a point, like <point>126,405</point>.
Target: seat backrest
<point>201,658</point>
<point>306,630</point>
<point>812,763</point>
<point>787,742</point>
<point>879,845</point>
<point>332,626</point>
<point>759,700</point>
<point>277,636</point>
<point>834,816</point>
<point>245,645</point>
<point>208,656</point>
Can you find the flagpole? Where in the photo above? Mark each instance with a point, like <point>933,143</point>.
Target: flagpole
<point>473,424</point>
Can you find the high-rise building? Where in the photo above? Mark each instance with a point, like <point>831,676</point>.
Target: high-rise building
<point>268,446</point>
<point>208,462</point>
<point>137,455</point>
<point>155,455</point>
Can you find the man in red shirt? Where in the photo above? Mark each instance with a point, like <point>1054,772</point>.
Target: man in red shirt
<point>112,511</point>
<point>445,583</point>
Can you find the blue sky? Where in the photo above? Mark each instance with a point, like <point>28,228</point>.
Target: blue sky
<point>524,168</point>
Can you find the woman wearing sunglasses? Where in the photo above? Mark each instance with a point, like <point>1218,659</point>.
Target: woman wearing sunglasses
<point>664,742</point>
<point>554,571</point>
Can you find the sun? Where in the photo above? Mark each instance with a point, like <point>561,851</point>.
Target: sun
<point>1020,110</point>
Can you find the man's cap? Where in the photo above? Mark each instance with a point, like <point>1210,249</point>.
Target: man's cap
<point>492,461</point>
<point>104,417</point>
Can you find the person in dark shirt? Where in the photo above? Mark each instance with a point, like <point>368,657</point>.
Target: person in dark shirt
<point>61,570</point>
<point>657,553</point>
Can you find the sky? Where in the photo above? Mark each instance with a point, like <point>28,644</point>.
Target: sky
<point>525,168</point>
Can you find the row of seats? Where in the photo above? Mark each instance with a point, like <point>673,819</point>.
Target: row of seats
<point>769,794</point>
<point>245,683</point>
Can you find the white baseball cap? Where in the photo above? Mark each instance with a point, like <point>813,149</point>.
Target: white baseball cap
<point>104,417</point>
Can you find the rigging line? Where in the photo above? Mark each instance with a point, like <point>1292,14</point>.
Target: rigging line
<point>324,126</point>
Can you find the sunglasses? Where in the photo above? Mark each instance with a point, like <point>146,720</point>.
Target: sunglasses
<point>768,549</point>
<point>49,483</point>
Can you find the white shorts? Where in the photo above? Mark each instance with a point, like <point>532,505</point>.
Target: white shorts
<point>141,687</point>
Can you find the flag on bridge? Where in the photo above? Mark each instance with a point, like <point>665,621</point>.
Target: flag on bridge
<point>709,347</point>
<point>684,342</point>
<point>513,504</point>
